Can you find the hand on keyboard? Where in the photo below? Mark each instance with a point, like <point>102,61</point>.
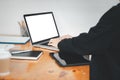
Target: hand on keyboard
<point>54,42</point>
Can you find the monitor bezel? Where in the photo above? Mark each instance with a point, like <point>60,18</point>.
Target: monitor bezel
<point>42,13</point>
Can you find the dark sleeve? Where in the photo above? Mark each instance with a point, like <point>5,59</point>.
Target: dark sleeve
<point>98,39</point>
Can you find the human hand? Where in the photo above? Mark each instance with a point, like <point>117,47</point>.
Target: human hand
<point>54,42</point>
<point>66,36</point>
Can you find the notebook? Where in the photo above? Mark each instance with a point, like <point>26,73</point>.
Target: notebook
<point>13,40</point>
<point>41,28</point>
<point>27,55</point>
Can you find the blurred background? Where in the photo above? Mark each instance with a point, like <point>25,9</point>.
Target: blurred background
<point>72,16</point>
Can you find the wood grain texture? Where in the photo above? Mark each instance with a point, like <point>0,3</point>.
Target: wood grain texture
<point>45,68</point>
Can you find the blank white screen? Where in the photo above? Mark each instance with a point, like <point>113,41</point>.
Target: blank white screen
<point>41,27</point>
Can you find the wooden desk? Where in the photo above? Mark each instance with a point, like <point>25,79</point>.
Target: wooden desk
<point>45,68</point>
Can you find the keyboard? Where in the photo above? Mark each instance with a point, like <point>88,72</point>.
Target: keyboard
<point>46,47</point>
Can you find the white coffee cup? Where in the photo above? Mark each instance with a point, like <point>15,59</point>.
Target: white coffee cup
<point>4,62</point>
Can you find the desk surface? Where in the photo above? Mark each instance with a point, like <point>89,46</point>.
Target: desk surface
<point>45,68</point>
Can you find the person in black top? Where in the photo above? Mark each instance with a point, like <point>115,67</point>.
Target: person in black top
<point>102,41</point>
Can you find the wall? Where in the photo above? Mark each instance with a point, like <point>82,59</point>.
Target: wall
<point>72,16</point>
